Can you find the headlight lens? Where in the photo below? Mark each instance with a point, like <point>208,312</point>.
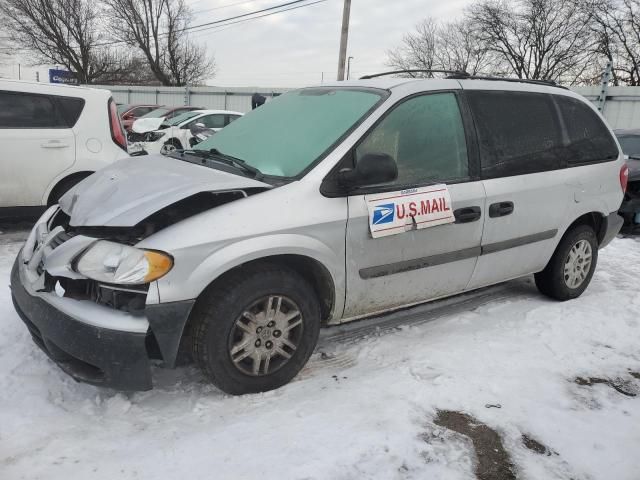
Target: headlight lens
<point>153,136</point>
<point>112,262</point>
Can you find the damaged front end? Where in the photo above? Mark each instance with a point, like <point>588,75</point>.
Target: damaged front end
<point>88,295</point>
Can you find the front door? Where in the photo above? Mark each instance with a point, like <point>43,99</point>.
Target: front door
<point>413,261</point>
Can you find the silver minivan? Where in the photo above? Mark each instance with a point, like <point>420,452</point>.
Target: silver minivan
<point>325,205</point>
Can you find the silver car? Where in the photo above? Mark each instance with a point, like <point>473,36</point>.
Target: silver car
<point>324,205</point>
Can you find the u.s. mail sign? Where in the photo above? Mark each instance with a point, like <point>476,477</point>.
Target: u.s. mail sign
<point>397,212</point>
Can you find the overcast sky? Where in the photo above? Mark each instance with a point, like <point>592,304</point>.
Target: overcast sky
<point>294,48</point>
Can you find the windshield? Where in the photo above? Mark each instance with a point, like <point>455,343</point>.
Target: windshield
<point>288,134</point>
<point>181,118</point>
<point>157,113</point>
<point>122,109</point>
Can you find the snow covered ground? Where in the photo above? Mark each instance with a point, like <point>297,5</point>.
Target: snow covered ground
<point>366,406</point>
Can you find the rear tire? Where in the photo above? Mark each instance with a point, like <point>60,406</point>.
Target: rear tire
<point>241,319</point>
<point>572,265</point>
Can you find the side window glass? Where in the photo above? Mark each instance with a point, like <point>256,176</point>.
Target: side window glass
<point>518,132</point>
<point>138,112</point>
<point>231,118</point>
<point>426,138</point>
<point>70,109</point>
<point>20,110</point>
<point>212,121</point>
<point>589,138</point>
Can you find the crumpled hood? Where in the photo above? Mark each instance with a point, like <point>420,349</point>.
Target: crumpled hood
<point>131,189</point>
<point>143,125</point>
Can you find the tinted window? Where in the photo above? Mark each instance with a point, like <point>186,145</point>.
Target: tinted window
<point>426,138</point>
<point>157,113</point>
<point>139,111</point>
<point>518,132</point>
<point>231,118</point>
<point>178,119</point>
<point>70,109</point>
<point>22,110</point>
<point>630,144</point>
<point>589,138</point>
<point>212,121</point>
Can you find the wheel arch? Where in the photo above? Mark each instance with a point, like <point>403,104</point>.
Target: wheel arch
<point>311,269</point>
<point>314,271</point>
<point>54,191</point>
<point>596,220</point>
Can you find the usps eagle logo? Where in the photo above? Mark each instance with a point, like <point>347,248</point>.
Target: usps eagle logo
<point>383,214</point>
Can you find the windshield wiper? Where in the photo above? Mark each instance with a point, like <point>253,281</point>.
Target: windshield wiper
<point>217,155</point>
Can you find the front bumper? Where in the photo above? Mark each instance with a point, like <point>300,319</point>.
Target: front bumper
<point>91,354</point>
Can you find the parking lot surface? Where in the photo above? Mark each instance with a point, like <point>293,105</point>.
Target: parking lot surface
<point>499,383</point>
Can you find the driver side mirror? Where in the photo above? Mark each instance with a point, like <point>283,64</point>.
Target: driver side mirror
<point>371,169</point>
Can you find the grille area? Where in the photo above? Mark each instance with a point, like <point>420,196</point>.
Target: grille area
<point>126,299</point>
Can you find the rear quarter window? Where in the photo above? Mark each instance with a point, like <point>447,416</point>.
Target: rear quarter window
<point>70,109</point>
<point>590,140</point>
<point>518,132</point>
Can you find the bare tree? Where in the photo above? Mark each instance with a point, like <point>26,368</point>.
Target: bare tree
<point>60,32</point>
<point>616,24</point>
<point>418,49</point>
<point>536,39</point>
<point>158,28</point>
<point>458,48</point>
<point>449,46</point>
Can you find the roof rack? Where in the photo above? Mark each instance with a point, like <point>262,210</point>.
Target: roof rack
<point>462,75</point>
<point>457,73</point>
<point>547,83</point>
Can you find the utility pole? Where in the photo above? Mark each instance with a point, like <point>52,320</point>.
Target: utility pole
<point>343,39</point>
<point>349,67</point>
<point>604,85</point>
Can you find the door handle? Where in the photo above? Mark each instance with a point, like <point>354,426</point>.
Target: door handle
<point>501,209</point>
<point>467,214</point>
<point>54,144</point>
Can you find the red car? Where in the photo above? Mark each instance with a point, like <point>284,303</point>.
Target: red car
<point>130,113</point>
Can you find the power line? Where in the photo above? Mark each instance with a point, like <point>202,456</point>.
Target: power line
<point>226,25</point>
<point>223,6</point>
<point>217,25</point>
<point>221,21</point>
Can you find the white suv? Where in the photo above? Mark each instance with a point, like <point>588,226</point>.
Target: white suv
<point>52,137</point>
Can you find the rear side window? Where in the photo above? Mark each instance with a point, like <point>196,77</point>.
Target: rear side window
<point>24,110</point>
<point>589,138</point>
<point>70,109</point>
<point>212,121</point>
<point>425,136</point>
<point>518,132</point>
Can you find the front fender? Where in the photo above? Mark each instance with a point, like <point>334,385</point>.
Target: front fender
<point>191,283</point>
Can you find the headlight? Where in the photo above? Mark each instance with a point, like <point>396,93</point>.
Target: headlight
<point>153,136</point>
<point>112,262</point>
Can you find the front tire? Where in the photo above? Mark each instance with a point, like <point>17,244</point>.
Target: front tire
<point>257,330</point>
<point>571,268</point>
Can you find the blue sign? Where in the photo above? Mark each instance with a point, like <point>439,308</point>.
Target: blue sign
<point>62,76</point>
<point>384,213</point>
